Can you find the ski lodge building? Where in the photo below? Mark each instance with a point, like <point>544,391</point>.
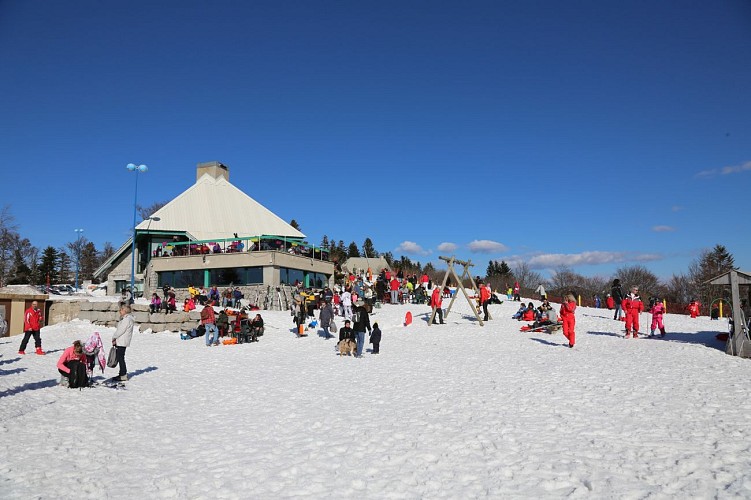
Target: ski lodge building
<point>214,234</point>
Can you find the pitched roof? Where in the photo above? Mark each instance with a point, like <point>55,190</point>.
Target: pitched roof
<point>212,208</point>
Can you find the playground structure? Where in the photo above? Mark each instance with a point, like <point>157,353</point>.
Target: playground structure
<point>450,271</point>
<point>739,343</point>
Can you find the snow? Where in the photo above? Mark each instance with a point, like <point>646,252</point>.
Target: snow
<point>446,411</point>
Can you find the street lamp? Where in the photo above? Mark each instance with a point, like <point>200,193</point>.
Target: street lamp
<point>78,253</point>
<point>132,167</point>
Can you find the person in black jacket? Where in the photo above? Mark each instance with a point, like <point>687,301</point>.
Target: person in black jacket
<point>362,323</point>
<point>346,331</point>
<point>617,293</point>
<point>375,338</point>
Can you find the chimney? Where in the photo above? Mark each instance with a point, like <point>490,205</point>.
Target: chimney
<point>214,168</point>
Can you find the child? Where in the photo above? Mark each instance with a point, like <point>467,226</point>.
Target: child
<point>568,316</point>
<point>657,310</point>
<point>633,306</point>
<point>156,303</point>
<point>518,314</point>
<point>73,362</point>
<point>375,338</point>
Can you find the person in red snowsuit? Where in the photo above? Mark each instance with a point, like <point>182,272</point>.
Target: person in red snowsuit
<point>694,308</point>
<point>633,305</point>
<point>658,309</point>
<point>610,302</point>
<point>32,324</point>
<point>568,317</point>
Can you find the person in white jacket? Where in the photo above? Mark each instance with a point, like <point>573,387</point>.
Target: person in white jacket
<point>121,339</point>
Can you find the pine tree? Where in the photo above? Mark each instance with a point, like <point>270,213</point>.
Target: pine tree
<point>49,267</point>
<point>21,272</point>
<point>504,269</point>
<point>710,264</point>
<point>294,224</point>
<point>353,251</point>
<point>367,248</point>
<point>325,241</point>
<point>64,269</point>
<point>89,261</point>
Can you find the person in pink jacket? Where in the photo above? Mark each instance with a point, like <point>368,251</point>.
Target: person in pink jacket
<point>633,306</point>
<point>70,355</point>
<point>658,310</point>
<point>568,317</point>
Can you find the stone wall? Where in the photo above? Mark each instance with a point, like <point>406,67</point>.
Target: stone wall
<point>107,314</point>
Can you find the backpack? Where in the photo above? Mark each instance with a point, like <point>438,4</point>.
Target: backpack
<point>77,377</point>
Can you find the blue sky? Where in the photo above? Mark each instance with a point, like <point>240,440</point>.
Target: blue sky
<point>592,134</point>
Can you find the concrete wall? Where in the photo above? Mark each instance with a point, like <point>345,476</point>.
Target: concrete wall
<point>108,314</point>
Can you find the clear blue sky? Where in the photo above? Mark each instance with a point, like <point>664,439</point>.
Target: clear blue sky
<point>593,133</point>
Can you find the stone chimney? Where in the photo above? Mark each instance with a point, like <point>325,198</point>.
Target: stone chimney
<point>214,168</point>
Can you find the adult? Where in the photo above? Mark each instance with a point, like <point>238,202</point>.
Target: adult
<point>32,324</point>
<point>237,295</point>
<point>346,332</point>
<point>617,293</point>
<point>256,328</point>
<point>121,340</point>
<point>325,316</point>
<point>633,305</point>
<point>436,300</point>
<point>208,320</point>
<point>424,281</point>
<point>484,298</point>
<point>360,324</point>
<point>394,288</point>
<point>156,303</point>
<point>541,290</point>
<point>214,295</point>
<point>346,299</point>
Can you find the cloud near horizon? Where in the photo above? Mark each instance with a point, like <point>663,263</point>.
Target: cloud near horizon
<point>447,247</point>
<point>663,229</point>
<point>554,260</point>
<point>486,246</point>
<point>731,169</point>
<point>412,248</point>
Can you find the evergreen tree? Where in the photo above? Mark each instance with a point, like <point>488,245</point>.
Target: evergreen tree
<point>21,272</point>
<point>389,258</point>
<point>325,241</point>
<point>89,261</point>
<point>710,264</point>
<point>504,269</point>
<point>64,270</point>
<point>8,237</point>
<point>49,267</point>
<point>294,224</point>
<point>367,248</point>
<point>353,251</point>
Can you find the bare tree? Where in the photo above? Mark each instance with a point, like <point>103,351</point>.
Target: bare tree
<point>146,212</point>
<point>648,283</point>
<point>527,278</point>
<point>8,238</point>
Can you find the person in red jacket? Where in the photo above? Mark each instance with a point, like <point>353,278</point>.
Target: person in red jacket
<point>694,308</point>
<point>484,298</point>
<point>32,324</point>
<point>568,317</point>
<point>394,286</point>
<point>633,306</point>
<point>610,302</point>
<point>436,299</point>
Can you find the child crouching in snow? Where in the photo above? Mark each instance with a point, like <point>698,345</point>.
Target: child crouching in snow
<point>568,316</point>
<point>72,362</point>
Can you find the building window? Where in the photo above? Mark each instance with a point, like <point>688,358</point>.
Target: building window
<point>237,276</point>
<point>181,279</point>
<point>289,276</point>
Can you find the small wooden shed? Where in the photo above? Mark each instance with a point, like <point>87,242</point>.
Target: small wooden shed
<point>14,300</point>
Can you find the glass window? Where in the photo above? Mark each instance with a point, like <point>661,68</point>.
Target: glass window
<point>181,279</point>
<point>236,276</point>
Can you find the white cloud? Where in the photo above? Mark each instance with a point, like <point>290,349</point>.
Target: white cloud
<point>663,229</point>
<point>487,246</point>
<point>447,247</point>
<point>593,258</point>
<point>410,247</point>
<point>730,169</point>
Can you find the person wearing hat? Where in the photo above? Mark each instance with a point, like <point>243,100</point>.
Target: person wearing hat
<point>346,332</point>
<point>361,323</point>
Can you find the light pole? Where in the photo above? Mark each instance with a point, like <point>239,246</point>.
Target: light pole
<point>132,167</point>
<point>78,253</point>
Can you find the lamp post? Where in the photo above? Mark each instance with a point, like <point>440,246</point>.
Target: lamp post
<point>132,167</point>
<point>78,253</point>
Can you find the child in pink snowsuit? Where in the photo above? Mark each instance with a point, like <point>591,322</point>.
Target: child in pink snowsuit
<point>568,317</point>
<point>658,309</point>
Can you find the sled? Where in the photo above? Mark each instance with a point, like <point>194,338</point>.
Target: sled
<point>408,319</point>
<point>544,328</point>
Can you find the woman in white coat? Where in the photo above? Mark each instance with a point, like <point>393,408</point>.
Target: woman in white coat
<point>121,339</point>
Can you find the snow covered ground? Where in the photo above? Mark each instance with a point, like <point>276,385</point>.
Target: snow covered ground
<point>453,411</point>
